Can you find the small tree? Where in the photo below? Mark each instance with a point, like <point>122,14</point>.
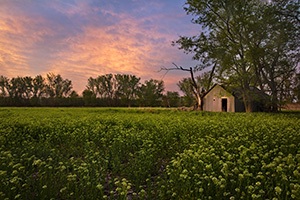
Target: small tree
<point>171,99</point>
<point>126,87</point>
<point>27,83</point>
<point>57,86</point>
<point>151,92</point>
<point>3,85</point>
<point>39,86</point>
<point>89,98</point>
<point>197,90</point>
<point>184,86</point>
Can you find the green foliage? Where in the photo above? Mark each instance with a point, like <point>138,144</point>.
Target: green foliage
<point>151,92</point>
<point>296,90</point>
<point>251,43</point>
<point>126,88</point>
<point>185,86</point>
<point>171,99</point>
<point>57,86</point>
<point>105,90</point>
<point>89,98</point>
<point>203,82</point>
<point>117,153</point>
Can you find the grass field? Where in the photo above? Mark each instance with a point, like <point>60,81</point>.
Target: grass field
<point>121,153</point>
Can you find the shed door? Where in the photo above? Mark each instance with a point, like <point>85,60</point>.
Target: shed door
<point>224,105</point>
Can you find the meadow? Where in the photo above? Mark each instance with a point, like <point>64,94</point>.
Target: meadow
<point>122,153</point>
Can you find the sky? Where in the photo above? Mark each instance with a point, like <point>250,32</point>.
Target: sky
<point>79,39</point>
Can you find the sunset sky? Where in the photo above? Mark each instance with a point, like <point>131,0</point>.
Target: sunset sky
<point>86,38</point>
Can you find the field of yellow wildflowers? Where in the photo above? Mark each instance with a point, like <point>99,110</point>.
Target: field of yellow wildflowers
<point>121,153</point>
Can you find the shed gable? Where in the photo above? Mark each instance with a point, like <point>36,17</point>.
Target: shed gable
<point>218,99</point>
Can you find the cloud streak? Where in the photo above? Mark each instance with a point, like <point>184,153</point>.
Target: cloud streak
<point>19,33</point>
<point>79,39</point>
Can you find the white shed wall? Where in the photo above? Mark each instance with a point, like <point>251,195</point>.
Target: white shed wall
<point>213,100</point>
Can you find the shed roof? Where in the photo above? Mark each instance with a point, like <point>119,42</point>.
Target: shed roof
<point>236,92</point>
<point>214,87</point>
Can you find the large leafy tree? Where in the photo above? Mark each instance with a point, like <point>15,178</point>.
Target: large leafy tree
<point>276,54</point>
<point>250,42</point>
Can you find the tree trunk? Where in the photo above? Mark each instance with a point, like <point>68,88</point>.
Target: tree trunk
<point>247,98</point>
<point>248,105</point>
<point>199,105</point>
<point>196,92</point>
<point>274,102</point>
<point>194,87</point>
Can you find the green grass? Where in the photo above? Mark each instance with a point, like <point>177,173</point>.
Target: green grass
<point>121,153</point>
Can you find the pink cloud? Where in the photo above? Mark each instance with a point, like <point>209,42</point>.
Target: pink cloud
<point>122,48</point>
<point>112,42</point>
<point>18,35</point>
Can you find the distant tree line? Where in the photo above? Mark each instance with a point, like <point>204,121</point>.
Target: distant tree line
<point>119,90</point>
<point>105,90</point>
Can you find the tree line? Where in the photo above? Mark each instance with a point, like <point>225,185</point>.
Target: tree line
<point>104,90</point>
<point>110,90</point>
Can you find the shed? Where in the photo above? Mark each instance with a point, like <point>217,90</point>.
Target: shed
<point>218,99</point>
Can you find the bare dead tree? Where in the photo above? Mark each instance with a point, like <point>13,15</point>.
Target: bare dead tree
<point>193,84</point>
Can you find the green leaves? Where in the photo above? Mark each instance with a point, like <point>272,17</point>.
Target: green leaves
<point>90,153</point>
<point>252,43</point>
